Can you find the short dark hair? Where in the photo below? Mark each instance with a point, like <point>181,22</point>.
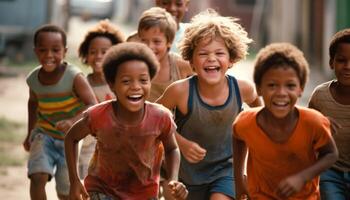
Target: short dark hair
<point>342,36</point>
<point>127,51</point>
<point>281,55</point>
<point>103,29</point>
<point>50,28</point>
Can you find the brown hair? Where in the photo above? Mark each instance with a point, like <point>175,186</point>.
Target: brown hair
<point>281,55</point>
<point>53,29</point>
<point>158,17</point>
<point>127,51</point>
<point>342,36</point>
<point>103,29</point>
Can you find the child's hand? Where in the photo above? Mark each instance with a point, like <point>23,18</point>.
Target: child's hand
<point>192,151</point>
<point>178,190</point>
<point>290,185</point>
<point>77,192</point>
<point>64,125</point>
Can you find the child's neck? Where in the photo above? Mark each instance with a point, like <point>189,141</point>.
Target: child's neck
<point>340,92</point>
<point>279,130</point>
<point>126,117</point>
<point>214,95</point>
<point>51,78</point>
<point>97,78</point>
<point>163,74</point>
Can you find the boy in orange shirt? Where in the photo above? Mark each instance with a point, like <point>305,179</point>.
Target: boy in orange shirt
<point>289,146</point>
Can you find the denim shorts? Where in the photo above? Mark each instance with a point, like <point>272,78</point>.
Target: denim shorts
<point>224,185</point>
<point>335,185</point>
<point>46,155</point>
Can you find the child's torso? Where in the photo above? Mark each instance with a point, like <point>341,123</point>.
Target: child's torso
<point>56,102</point>
<point>211,128</point>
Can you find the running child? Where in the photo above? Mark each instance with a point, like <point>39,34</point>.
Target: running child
<point>207,103</point>
<point>333,100</point>
<point>91,51</point>
<point>288,146</point>
<point>157,29</point>
<point>128,130</point>
<point>58,92</point>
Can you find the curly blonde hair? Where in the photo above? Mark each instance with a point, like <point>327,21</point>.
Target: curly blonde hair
<point>281,55</point>
<point>209,24</point>
<point>103,29</point>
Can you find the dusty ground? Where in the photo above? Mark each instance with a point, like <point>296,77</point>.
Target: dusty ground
<point>14,183</point>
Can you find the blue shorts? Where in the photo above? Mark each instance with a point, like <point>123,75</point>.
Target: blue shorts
<point>223,185</point>
<point>335,184</point>
<point>46,155</point>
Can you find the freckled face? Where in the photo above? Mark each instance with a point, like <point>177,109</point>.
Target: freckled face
<point>211,60</point>
<point>280,89</point>
<point>50,50</point>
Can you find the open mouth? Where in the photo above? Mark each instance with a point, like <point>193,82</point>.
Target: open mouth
<point>135,98</point>
<point>212,69</point>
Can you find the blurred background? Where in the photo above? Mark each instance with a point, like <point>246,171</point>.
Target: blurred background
<point>308,24</point>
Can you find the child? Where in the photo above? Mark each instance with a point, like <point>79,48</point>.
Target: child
<point>178,9</point>
<point>288,145</point>
<point>91,51</point>
<point>57,93</point>
<point>333,100</point>
<point>128,130</point>
<point>207,103</point>
<point>157,29</point>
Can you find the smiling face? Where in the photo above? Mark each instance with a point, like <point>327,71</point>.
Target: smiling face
<point>177,8</point>
<point>155,40</point>
<point>341,64</point>
<point>132,85</point>
<point>280,89</point>
<point>97,48</point>
<point>50,50</point>
<point>211,60</point>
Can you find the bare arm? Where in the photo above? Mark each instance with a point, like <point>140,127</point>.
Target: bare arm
<point>32,109</point>
<point>78,131</point>
<point>328,154</point>
<point>175,96</point>
<point>85,94</point>
<point>240,152</point>
<point>248,93</point>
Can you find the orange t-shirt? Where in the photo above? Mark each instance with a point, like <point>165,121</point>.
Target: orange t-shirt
<point>269,162</point>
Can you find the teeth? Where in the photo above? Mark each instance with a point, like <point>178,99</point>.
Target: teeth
<point>280,103</point>
<point>135,96</point>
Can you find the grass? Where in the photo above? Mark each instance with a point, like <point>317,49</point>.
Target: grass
<point>11,137</point>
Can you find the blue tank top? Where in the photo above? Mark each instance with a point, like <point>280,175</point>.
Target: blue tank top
<point>211,128</point>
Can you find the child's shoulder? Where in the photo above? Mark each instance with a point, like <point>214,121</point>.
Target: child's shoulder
<point>33,74</point>
<point>247,117</point>
<point>183,65</point>
<point>157,109</point>
<point>323,86</point>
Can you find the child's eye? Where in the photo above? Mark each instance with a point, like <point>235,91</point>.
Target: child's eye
<point>220,53</point>
<point>291,85</point>
<point>144,81</point>
<point>203,54</point>
<point>125,81</point>
<point>340,60</point>
<point>271,85</point>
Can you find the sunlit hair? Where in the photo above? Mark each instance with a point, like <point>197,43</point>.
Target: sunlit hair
<point>342,36</point>
<point>103,29</point>
<point>209,25</point>
<point>281,55</point>
<point>160,18</point>
<point>127,51</point>
<point>50,28</point>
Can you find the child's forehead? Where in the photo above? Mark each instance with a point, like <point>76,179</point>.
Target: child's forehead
<point>343,48</point>
<point>211,40</point>
<point>155,29</point>
<point>49,37</point>
<point>283,70</point>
